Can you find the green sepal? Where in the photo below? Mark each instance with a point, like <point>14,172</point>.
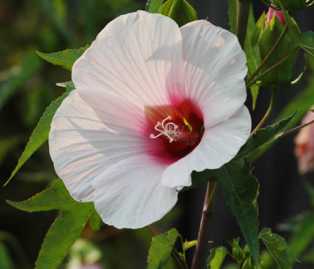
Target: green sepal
<point>161,248</point>
<point>278,248</point>
<point>41,132</point>
<point>216,258</point>
<point>65,58</point>
<point>178,10</point>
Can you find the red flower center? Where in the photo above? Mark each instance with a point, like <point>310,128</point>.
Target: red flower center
<point>174,130</point>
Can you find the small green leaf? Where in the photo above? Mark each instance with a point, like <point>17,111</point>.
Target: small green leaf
<point>254,91</point>
<point>278,248</point>
<point>188,244</point>
<point>262,137</point>
<point>62,235</point>
<point>303,236</point>
<point>65,58</point>
<point>306,42</point>
<point>161,248</point>
<point>216,258</point>
<point>95,221</point>
<point>241,189</point>
<point>56,197</point>
<point>154,5</point>
<point>41,132</point>
<point>178,10</point>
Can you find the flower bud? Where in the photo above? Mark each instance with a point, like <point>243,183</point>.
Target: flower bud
<point>266,33</point>
<point>278,13</point>
<point>237,251</point>
<point>304,145</point>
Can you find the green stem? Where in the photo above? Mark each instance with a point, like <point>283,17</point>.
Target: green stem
<point>242,20</point>
<point>297,128</point>
<point>268,55</point>
<point>272,67</point>
<point>269,110</point>
<point>200,255</point>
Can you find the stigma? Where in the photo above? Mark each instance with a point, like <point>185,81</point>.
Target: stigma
<point>166,129</point>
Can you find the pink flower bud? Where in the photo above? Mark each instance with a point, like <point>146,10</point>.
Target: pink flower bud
<point>278,13</point>
<point>304,143</point>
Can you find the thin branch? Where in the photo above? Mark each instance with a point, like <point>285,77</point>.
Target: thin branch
<point>269,110</point>
<point>200,255</point>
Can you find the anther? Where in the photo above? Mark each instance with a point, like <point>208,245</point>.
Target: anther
<point>165,129</point>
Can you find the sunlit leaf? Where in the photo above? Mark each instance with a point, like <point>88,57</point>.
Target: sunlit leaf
<point>278,248</point>
<point>41,132</point>
<point>233,8</point>
<point>62,234</point>
<point>65,58</point>
<point>178,10</point>
<point>216,258</point>
<point>161,249</point>
<point>55,197</point>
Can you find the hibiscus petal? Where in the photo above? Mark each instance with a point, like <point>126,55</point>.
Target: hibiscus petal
<point>217,147</point>
<point>91,131</point>
<point>214,70</point>
<point>137,56</point>
<point>129,194</point>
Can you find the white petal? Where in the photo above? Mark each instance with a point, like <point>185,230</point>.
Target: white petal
<point>90,132</point>
<point>137,56</point>
<point>217,147</point>
<point>130,195</point>
<point>214,70</point>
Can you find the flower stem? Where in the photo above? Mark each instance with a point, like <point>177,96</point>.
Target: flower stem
<point>200,255</point>
<point>297,128</point>
<point>268,55</point>
<point>173,254</point>
<point>272,67</point>
<point>269,110</point>
<point>242,20</point>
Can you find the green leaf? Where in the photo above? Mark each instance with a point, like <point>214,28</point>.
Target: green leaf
<point>178,10</point>
<point>254,91</point>
<point>306,42</point>
<point>233,8</point>
<point>216,258</point>
<point>188,244</point>
<point>154,5</point>
<point>262,137</point>
<point>95,221</point>
<point>41,132</point>
<point>19,74</point>
<point>241,189</point>
<point>62,235</point>
<point>278,248</point>
<point>55,197</point>
<point>65,58</point>
<point>161,248</point>
<point>303,236</point>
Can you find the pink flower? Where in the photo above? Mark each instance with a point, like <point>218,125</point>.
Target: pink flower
<point>153,102</point>
<point>272,12</point>
<point>304,142</point>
